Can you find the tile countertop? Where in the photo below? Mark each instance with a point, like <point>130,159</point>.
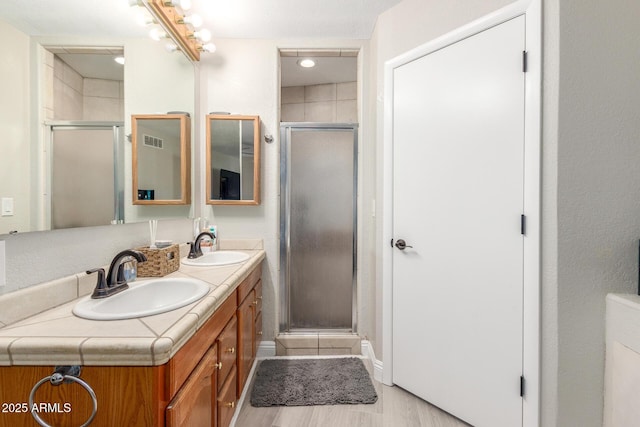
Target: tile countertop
<point>57,337</point>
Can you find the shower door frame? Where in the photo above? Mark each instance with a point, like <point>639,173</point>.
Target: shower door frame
<point>285,205</point>
<point>118,162</point>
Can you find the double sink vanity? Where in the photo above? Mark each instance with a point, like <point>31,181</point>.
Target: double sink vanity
<point>171,351</point>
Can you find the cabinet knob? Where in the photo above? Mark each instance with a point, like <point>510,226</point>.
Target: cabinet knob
<point>255,302</point>
<point>259,333</point>
<point>218,365</point>
<point>230,404</point>
<point>231,350</point>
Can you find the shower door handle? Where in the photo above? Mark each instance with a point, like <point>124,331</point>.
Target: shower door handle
<point>402,245</point>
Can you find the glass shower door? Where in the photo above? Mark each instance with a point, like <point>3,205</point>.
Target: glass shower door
<point>319,195</point>
<point>84,179</point>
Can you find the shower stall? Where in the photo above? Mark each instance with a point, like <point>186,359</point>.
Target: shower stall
<point>318,193</point>
<point>85,179</point>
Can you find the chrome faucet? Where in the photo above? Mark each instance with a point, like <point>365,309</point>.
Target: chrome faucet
<point>115,281</point>
<point>195,251</point>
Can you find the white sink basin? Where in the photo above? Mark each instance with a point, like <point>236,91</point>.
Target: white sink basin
<point>143,298</point>
<point>212,259</point>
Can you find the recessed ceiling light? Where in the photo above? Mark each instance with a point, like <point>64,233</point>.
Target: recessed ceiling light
<point>119,60</point>
<point>307,63</point>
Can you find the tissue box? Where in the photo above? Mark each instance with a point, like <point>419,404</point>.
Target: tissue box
<point>160,262</point>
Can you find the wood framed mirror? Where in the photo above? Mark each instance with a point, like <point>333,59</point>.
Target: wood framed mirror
<point>161,157</point>
<point>233,160</point>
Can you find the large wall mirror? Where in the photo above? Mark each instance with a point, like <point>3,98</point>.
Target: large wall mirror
<point>233,160</point>
<point>161,159</point>
<point>59,95</point>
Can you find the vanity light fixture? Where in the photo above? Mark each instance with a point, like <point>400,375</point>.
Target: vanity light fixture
<point>181,27</point>
<point>306,63</point>
<point>119,60</point>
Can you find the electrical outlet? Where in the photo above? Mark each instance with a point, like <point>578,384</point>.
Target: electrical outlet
<point>3,270</point>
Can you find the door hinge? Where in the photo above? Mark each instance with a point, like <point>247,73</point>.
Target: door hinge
<point>523,225</point>
<point>521,386</point>
<point>524,61</point>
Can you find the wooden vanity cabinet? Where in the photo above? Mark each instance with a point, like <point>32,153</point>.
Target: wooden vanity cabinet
<point>198,386</point>
<point>249,325</point>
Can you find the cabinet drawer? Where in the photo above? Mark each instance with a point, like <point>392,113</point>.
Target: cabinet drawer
<point>258,297</point>
<point>227,400</point>
<point>249,283</point>
<point>193,405</point>
<point>227,349</point>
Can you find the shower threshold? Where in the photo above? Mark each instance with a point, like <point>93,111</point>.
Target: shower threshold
<point>315,343</point>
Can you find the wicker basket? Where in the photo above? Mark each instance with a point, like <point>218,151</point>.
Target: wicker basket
<point>160,262</point>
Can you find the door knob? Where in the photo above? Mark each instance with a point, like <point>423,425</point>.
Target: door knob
<point>402,245</point>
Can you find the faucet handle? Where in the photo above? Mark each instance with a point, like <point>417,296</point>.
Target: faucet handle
<point>101,284</point>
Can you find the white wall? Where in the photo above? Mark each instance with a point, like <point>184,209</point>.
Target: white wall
<point>598,192</point>
<point>15,179</point>
<point>243,77</point>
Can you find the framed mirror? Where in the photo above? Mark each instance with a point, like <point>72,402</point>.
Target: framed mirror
<point>233,160</point>
<point>161,159</point>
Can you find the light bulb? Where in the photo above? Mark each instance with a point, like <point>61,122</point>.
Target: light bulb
<point>144,18</point>
<point>194,20</point>
<point>307,63</point>
<point>170,47</point>
<point>209,48</point>
<point>203,35</point>
<point>157,34</point>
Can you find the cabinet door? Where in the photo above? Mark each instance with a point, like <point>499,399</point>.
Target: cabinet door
<point>227,343</point>
<point>245,338</point>
<point>227,399</point>
<point>194,405</point>
<point>258,336</point>
<point>258,300</point>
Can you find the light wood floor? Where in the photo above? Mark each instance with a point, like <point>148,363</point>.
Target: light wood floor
<point>395,408</point>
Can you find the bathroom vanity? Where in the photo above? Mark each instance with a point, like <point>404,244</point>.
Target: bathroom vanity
<point>186,367</point>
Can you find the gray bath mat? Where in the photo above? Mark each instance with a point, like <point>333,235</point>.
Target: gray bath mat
<point>301,382</point>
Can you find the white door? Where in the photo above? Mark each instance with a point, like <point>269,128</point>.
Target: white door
<point>458,135</point>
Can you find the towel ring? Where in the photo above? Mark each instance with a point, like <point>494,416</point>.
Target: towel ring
<point>63,374</point>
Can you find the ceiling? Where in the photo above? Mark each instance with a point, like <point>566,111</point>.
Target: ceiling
<point>261,19</point>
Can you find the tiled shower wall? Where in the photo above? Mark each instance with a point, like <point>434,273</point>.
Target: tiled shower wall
<point>69,96</point>
<point>329,103</point>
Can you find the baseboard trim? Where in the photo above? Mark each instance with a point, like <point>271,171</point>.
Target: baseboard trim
<point>369,353</point>
<point>266,349</point>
